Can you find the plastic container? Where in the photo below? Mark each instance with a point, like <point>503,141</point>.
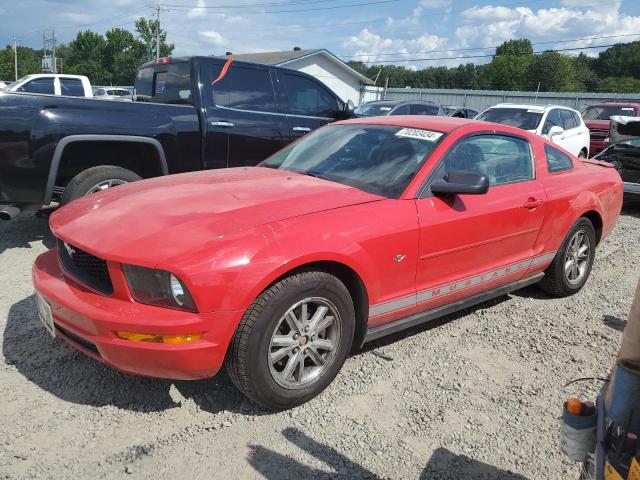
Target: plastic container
<point>577,435</point>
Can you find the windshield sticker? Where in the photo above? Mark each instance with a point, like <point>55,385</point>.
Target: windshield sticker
<point>627,109</point>
<point>427,135</point>
<point>385,109</point>
<point>533,110</point>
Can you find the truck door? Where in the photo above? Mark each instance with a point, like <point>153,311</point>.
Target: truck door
<point>307,103</point>
<point>242,125</point>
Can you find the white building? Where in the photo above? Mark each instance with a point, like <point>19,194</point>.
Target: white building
<point>319,63</point>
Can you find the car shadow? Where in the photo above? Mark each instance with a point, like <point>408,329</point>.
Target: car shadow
<point>631,208</point>
<point>442,463</point>
<point>24,229</point>
<point>70,375</point>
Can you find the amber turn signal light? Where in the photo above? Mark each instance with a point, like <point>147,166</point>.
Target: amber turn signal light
<point>169,339</point>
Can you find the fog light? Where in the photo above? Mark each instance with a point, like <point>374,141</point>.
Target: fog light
<point>169,339</point>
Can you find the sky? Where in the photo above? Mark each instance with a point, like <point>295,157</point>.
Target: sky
<point>414,33</point>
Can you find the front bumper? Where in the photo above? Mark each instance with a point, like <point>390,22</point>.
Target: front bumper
<point>632,190</point>
<point>88,321</point>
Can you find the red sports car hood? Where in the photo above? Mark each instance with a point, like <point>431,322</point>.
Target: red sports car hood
<point>149,221</point>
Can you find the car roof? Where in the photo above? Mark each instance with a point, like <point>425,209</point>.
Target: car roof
<point>527,106</point>
<point>399,102</point>
<point>615,104</point>
<point>426,122</point>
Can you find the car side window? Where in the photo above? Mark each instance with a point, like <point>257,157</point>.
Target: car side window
<point>71,87</point>
<point>305,97</point>
<point>245,89</point>
<point>553,120</point>
<point>420,109</point>
<point>39,85</point>
<point>503,159</point>
<point>567,119</point>
<point>556,160</point>
<point>401,110</point>
<point>577,119</point>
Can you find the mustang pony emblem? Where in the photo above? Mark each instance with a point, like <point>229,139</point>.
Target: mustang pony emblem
<point>397,258</point>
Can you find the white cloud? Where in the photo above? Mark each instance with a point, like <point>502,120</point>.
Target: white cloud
<point>76,17</point>
<point>198,10</point>
<point>435,3</point>
<point>212,37</point>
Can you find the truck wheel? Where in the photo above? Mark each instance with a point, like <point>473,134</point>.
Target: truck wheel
<point>293,340</point>
<point>572,264</point>
<point>96,179</point>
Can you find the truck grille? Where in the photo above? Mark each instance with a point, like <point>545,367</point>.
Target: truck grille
<point>86,268</point>
<point>599,134</point>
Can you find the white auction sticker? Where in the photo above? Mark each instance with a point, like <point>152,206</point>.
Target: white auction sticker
<point>427,135</point>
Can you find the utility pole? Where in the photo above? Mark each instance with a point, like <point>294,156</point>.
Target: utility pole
<point>15,58</point>
<point>53,52</point>
<point>157,31</point>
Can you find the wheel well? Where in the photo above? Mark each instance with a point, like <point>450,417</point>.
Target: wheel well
<point>596,220</point>
<point>141,158</point>
<point>354,284</point>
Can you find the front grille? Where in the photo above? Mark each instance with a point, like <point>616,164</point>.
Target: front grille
<point>86,344</point>
<point>86,268</point>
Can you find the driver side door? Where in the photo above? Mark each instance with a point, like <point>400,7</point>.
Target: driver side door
<point>473,243</point>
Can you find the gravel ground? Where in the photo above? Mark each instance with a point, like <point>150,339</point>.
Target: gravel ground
<point>476,395</point>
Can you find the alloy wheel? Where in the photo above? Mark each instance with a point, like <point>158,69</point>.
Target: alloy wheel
<point>304,342</point>
<point>112,182</point>
<point>577,258</point>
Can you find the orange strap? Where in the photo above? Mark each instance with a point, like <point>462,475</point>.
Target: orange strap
<point>225,69</point>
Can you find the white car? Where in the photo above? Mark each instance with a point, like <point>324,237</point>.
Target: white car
<point>53,84</point>
<point>561,125</point>
<point>113,93</point>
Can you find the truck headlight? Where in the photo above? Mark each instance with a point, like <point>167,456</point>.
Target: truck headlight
<point>158,287</point>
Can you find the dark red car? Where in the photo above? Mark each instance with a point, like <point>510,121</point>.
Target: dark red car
<point>596,117</point>
<point>358,230</point>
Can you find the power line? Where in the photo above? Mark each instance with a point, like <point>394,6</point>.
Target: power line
<point>488,48</point>
<point>255,5</point>
<point>485,56</point>
<point>335,7</point>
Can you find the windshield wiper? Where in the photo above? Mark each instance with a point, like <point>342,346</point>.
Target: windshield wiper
<point>311,173</point>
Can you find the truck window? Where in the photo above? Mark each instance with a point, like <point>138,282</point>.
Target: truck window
<point>39,85</point>
<point>308,98</point>
<point>71,87</point>
<point>164,84</point>
<point>244,89</point>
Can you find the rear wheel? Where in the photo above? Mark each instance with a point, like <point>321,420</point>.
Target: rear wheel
<point>96,179</point>
<point>572,264</point>
<point>293,340</point>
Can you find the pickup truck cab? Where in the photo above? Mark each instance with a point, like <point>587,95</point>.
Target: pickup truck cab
<point>189,114</point>
<point>53,84</point>
<point>597,118</point>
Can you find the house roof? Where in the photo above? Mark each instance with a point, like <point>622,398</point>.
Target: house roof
<point>281,59</point>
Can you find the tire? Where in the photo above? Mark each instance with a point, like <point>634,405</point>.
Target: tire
<point>557,280</point>
<point>90,180</point>
<point>249,363</point>
<point>582,154</point>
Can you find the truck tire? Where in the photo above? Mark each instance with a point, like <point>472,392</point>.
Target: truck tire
<point>95,179</point>
<point>292,340</point>
<point>572,264</point>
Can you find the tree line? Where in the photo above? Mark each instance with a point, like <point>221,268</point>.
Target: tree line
<point>109,59</point>
<point>516,67</point>
<point>112,59</point>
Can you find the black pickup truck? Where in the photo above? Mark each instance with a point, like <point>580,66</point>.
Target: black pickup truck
<point>186,117</point>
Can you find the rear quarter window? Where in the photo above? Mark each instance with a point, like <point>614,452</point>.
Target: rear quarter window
<point>556,160</point>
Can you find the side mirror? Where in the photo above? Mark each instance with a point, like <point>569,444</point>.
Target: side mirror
<point>459,182</point>
<point>348,110</point>
<point>554,131</point>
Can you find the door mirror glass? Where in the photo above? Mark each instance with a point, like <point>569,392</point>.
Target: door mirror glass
<point>461,182</point>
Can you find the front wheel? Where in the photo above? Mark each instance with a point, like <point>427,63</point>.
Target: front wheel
<point>293,340</point>
<point>96,179</point>
<point>572,264</point>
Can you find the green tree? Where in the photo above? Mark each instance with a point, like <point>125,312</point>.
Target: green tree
<point>508,69</point>
<point>148,32</point>
<point>86,57</point>
<point>552,72</point>
<point>621,60</point>
<point>29,61</point>
<point>123,54</point>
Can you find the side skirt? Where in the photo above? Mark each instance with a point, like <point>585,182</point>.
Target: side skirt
<point>428,315</point>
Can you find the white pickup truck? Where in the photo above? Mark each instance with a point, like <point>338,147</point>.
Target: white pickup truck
<point>53,84</point>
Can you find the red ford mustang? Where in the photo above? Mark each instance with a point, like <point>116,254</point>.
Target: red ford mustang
<point>359,229</point>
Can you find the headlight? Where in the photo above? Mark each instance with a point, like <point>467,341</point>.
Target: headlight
<point>158,287</point>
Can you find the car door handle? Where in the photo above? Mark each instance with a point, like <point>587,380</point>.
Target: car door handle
<point>222,123</point>
<point>301,129</point>
<point>532,203</point>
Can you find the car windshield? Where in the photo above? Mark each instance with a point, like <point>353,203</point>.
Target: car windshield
<point>17,82</point>
<point>378,159</point>
<point>606,112</point>
<point>448,110</point>
<point>515,117</point>
<point>374,109</point>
